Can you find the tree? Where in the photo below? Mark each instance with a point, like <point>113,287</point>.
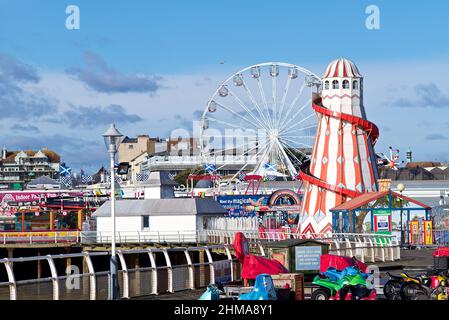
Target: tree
<point>182,176</point>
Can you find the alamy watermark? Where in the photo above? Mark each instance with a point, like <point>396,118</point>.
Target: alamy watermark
<point>72,22</point>
<point>372,21</point>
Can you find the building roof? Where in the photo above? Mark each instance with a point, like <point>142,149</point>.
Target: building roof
<point>160,178</point>
<point>342,68</point>
<point>423,164</point>
<point>43,180</point>
<point>368,197</point>
<point>406,173</point>
<point>162,207</point>
<point>51,155</point>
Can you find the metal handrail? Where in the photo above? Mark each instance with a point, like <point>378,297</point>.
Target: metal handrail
<point>171,280</point>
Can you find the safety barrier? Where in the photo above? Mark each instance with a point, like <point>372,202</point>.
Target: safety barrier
<point>369,247</point>
<point>165,270</point>
<point>141,237</point>
<point>364,246</point>
<point>31,237</point>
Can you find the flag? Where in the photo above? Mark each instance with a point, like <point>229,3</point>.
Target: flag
<point>142,176</point>
<point>210,168</point>
<point>270,166</point>
<point>242,176</point>
<point>65,180</point>
<point>65,170</point>
<point>86,179</point>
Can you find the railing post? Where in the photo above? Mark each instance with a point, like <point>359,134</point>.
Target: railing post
<point>191,271</point>
<point>348,244</point>
<point>337,247</point>
<point>372,250</point>
<point>228,253</point>
<point>56,236</point>
<point>169,271</point>
<point>211,265</point>
<point>11,280</point>
<point>153,272</point>
<point>54,277</point>
<point>262,250</point>
<point>92,279</point>
<point>125,274</point>
<point>31,238</point>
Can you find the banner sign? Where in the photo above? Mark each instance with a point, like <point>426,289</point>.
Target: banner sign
<point>32,196</point>
<point>236,204</point>
<point>248,205</point>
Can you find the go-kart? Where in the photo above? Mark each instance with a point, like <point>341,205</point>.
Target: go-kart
<point>433,286</point>
<point>332,281</point>
<point>263,289</point>
<point>357,292</point>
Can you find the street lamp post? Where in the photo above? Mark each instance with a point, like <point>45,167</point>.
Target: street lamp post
<point>401,187</point>
<point>112,140</point>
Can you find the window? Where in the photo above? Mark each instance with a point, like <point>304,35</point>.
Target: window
<point>326,85</point>
<point>355,84</point>
<point>130,146</point>
<point>345,84</point>
<point>145,222</point>
<point>335,84</point>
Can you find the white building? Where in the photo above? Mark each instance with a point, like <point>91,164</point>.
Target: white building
<point>167,216</point>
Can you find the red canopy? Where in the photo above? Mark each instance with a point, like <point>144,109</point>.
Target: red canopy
<point>441,252</point>
<point>241,246</point>
<point>338,262</point>
<point>255,265</point>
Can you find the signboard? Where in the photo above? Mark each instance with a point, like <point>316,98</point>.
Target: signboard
<point>414,232</point>
<point>382,221</point>
<point>247,205</point>
<point>236,204</point>
<point>31,196</point>
<point>307,257</point>
<point>427,230</point>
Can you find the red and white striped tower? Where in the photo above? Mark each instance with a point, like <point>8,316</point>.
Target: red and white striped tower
<point>343,163</point>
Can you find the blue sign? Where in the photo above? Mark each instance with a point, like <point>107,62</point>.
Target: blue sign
<point>307,258</point>
<point>235,204</point>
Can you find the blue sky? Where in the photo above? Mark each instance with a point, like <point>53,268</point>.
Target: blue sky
<point>159,49</point>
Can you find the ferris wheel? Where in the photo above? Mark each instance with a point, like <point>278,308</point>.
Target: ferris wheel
<point>260,121</point>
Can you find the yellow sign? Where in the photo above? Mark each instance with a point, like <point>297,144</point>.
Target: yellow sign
<point>12,234</point>
<point>427,230</point>
<point>414,232</point>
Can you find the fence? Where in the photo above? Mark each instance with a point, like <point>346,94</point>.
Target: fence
<point>141,237</point>
<point>166,270</point>
<point>31,237</point>
<point>366,247</point>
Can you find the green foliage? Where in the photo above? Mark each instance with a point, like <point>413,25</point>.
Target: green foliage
<point>182,176</point>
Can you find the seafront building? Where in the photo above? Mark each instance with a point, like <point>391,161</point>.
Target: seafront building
<point>17,168</point>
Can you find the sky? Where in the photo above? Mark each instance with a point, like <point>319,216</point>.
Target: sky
<point>151,66</point>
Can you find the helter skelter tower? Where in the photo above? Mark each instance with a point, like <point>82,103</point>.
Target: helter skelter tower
<point>343,164</point>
